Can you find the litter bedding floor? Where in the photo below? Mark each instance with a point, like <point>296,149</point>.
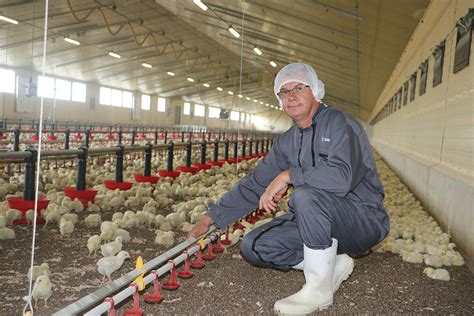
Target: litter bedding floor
<point>381,282</point>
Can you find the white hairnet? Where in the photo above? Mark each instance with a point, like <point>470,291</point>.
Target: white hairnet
<point>299,72</point>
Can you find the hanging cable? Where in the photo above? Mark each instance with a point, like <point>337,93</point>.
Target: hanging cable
<point>33,241</point>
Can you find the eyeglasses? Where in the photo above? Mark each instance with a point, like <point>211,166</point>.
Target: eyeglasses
<point>283,94</point>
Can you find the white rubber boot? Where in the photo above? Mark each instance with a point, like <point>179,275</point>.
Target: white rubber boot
<point>342,270</point>
<point>317,293</point>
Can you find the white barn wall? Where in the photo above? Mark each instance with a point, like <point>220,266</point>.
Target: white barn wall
<point>83,112</point>
<point>430,141</point>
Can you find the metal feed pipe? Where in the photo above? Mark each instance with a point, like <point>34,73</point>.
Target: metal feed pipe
<point>90,300</point>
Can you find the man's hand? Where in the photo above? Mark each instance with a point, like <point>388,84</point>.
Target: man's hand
<point>274,192</point>
<point>201,227</point>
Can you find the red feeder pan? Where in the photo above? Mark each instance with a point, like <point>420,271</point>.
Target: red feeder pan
<point>226,241</point>
<point>77,137</point>
<point>52,137</point>
<point>186,273</point>
<point>161,136</point>
<point>218,163</point>
<point>83,195</point>
<point>3,136</point>
<point>109,136</point>
<point>198,263</point>
<point>136,304</point>
<point>142,178</point>
<point>156,296</point>
<point>261,154</point>
<point>112,185</point>
<point>202,166</point>
<point>166,173</point>
<point>35,138</point>
<point>209,256</point>
<point>218,247</point>
<point>247,157</point>
<point>141,136</point>
<point>187,169</point>
<point>17,202</point>
<point>231,161</point>
<point>172,284</point>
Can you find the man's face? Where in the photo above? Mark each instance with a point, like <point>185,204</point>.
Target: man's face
<point>297,104</point>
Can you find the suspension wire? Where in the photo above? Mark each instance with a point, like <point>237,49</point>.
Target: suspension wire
<point>33,241</point>
<point>240,89</point>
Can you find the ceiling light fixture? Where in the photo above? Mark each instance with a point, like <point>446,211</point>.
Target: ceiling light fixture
<point>273,63</point>
<point>147,65</point>
<point>261,102</point>
<point>255,100</point>
<point>219,89</point>
<point>247,98</point>
<point>4,18</point>
<point>240,96</point>
<point>257,51</point>
<point>114,55</point>
<point>206,85</point>
<point>200,4</point>
<point>170,73</point>
<point>71,41</point>
<point>233,31</point>
<point>190,79</point>
<point>230,92</point>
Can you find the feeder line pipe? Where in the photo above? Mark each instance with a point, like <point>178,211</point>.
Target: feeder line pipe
<point>90,300</point>
<point>129,291</point>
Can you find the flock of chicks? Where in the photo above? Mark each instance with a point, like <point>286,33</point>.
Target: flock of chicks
<point>186,197</point>
<point>414,235</point>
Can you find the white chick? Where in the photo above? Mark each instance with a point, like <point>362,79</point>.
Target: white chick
<point>42,290</point>
<point>412,257</point>
<point>40,270</point>
<point>159,219</point>
<point>30,216</point>
<point>117,215</point>
<point>111,248</point>
<point>166,226</point>
<point>66,227</point>
<point>73,218</point>
<point>12,215</point>
<point>93,220</point>
<point>434,261</point>
<point>165,238</point>
<point>93,208</point>
<point>3,221</point>
<point>7,233</point>
<point>93,244</point>
<point>437,274</point>
<point>108,265</point>
<point>77,205</point>
<point>186,227</point>
<point>122,233</point>
<point>174,219</point>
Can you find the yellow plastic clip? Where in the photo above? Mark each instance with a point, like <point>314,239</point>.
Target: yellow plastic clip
<point>202,242</point>
<point>139,280</point>
<point>27,313</point>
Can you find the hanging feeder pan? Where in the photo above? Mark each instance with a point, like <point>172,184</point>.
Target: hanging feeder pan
<point>17,202</point>
<point>149,179</point>
<point>166,173</point>
<point>112,185</point>
<point>187,169</point>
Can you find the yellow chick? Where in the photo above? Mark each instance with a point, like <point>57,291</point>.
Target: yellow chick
<point>42,290</point>
<point>111,248</point>
<point>66,227</point>
<point>93,244</point>
<point>42,269</point>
